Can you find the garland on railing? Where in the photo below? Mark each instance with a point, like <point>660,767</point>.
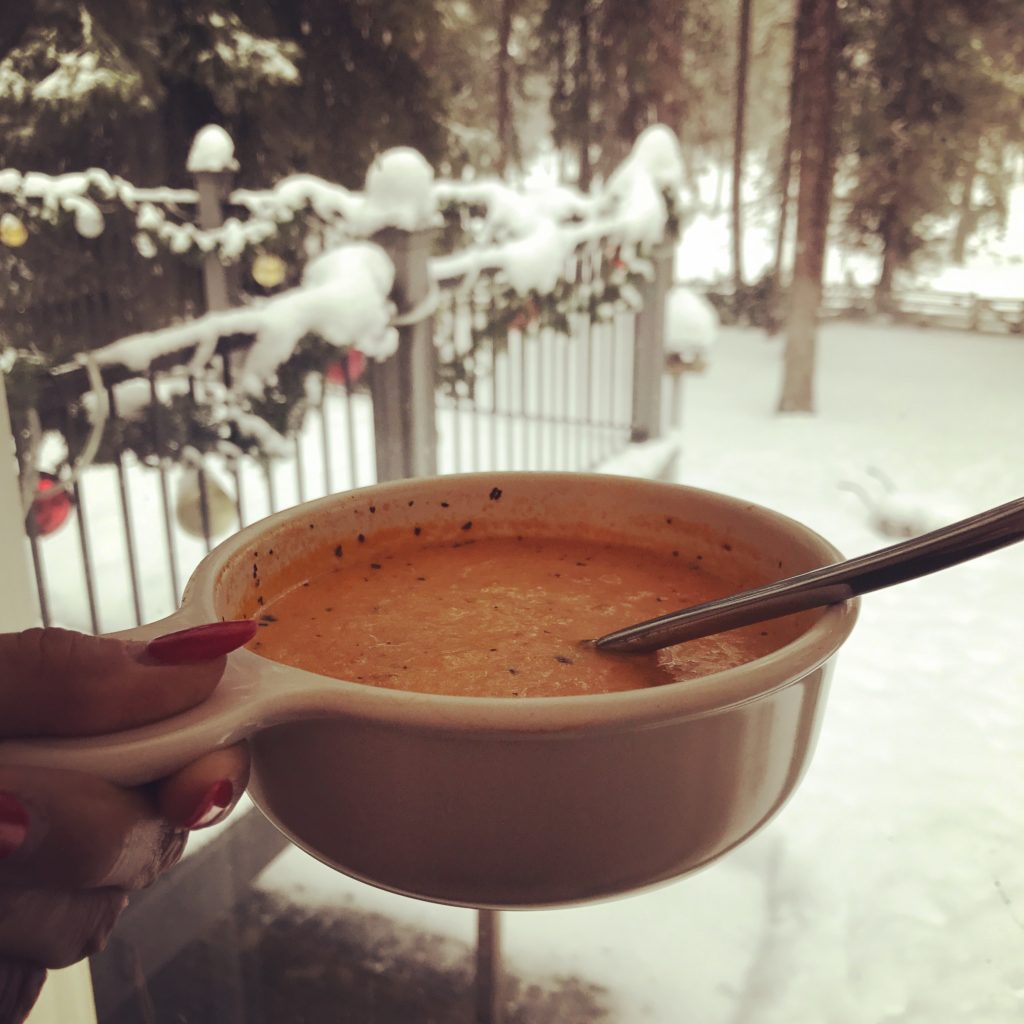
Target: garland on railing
<point>534,263</point>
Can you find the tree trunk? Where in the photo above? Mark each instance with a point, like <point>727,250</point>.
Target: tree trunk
<point>965,215</point>
<point>790,145</point>
<point>506,125</point>
<point>888,226</point>
<point>585,85</point>
<point>742,62</point>
<point>817,27</point>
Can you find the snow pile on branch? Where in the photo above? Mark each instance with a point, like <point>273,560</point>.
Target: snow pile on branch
<point>81,192</point>
<point>343,299</point>
<point>212,151</point>
<point>527,236</point>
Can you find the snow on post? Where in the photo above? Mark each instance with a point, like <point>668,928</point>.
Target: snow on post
<point>399,192</point>
<point>691,324</point>
<point>212,151</point>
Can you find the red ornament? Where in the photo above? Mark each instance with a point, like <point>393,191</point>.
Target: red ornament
<point>529,314</point>
<point>355,364</point>
<point>51,506</point>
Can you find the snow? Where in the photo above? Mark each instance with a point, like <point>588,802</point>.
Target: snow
<point>77,75</point>
<point>892,886</point>
<point>528,233</point>
<point>691,322</point>
<point>399,192</point>
<point>343,298</point>
<point>994,268</point>
<point>213,151</point>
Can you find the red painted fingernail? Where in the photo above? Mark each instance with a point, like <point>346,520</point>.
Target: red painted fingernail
<point>13,824</point>
<point>202,643</point>
<point>216,800</point>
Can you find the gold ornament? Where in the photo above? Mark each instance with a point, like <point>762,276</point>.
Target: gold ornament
<point>13,232</point>
<point>268,270</point>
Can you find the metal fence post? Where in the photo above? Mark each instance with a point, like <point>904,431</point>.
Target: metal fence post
<point>18,595</point>
<point>403,386</point>
<point>213,188</point>
<point>649,347</point>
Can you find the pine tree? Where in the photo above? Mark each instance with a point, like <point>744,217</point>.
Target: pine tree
<point>933,92</point>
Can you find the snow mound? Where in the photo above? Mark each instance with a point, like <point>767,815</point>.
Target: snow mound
<point>691,323</point>
<point>343,299</point>
<point>400,191</point>
<point>213,151</point>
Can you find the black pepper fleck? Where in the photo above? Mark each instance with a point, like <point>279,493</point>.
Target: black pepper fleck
<point>444,504</point>
<point>259,600</point>
<point>727,547</point>
<point>373,510</point>
<point>675,554</point>
<point>338,551</point>
<point>267,617</point>
<point>563,660</point>
<point>468,525</point>
<point>513,671</point>
<point>417,530</point>
<point>361,538</point>
<point>312,526</point>
<point>422,579</point>
<point>375,565</point>
<point>495,494</point>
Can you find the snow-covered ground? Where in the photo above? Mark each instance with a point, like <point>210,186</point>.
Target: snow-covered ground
<point>892,886</point>
<point>993,268</point>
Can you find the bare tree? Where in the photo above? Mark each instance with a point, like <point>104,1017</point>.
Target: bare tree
<point>817,48</point>
<point>742,65</point>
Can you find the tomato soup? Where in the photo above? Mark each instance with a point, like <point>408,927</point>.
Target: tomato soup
<point>500,617</point>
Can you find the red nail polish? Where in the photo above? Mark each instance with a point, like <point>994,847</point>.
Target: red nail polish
<point>202,643</point>
<point>13,824</point>
<point>216,800</point>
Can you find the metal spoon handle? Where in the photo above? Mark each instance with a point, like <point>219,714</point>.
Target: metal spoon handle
<point>958,542</point>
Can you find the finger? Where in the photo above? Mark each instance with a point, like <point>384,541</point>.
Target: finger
<point>53,928</point>
<point>57,682</point>
<point>71,831</point>
<point>20,985</point>
<point>204,792</point>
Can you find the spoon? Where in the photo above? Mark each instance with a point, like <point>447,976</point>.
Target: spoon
<point>832,584</point>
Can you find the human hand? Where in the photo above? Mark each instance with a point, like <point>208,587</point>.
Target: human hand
<point>73,847</point>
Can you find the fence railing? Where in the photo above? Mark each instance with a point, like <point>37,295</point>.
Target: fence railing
<point>483,377</point>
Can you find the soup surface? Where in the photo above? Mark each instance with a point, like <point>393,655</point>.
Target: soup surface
<point>500,618</point>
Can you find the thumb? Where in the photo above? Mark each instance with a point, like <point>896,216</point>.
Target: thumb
<point>56,682</point>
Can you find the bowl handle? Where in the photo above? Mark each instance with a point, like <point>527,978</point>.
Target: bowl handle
<point>149,752</point>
